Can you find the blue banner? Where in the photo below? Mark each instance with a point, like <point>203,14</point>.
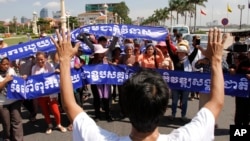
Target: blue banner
<point>45,84</point>
<point>40,85</point>
<point>124,31</point>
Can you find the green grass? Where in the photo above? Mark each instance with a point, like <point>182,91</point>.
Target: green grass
<point>14,41</point>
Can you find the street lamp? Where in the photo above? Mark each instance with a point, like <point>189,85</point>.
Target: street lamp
<point>68,16</point>
<point>241,7</point>
<point>63,15</point>
<point>34,23</point>
<point>105,8</point>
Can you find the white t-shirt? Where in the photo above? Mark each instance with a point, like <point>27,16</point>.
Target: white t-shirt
<point>201,128</point>
<point>3,99</point>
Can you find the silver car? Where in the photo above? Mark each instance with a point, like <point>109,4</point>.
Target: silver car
<point>203,39</point>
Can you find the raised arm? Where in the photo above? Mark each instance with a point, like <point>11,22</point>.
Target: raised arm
<point>193,55</point>
<point>113,43</point>
<point>173,57</point>
<point>65,53</point>
<point>214,52</point>
<point>84,38</point>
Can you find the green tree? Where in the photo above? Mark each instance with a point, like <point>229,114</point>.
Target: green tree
<point>122,10</point>
<point>2,28</point>
<point>197,2</point>
<point>44,24</point>
<point>73,22</point>
<point>187,7</point>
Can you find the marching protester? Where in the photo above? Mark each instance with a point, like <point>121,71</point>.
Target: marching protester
<point>231,55</point>
<point>205,64</point>
<point>151,58</point>
<point>2,43</point>
<point>242,104</point>
<point>10,109</point>
<point>47,103</point>
<point>101,55</point>
<point>128,58</point>
<point>173,36</point>
<point>25,71</point>
<point>116,55</point>
<point>100,91</point>
<point>167,63</point>
<point>182,62</point>
<point>195,41</point>
<point>145,100</point>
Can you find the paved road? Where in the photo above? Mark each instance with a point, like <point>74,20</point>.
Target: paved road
<point>35,131</point>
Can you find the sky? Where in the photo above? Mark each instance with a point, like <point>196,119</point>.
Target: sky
<point>215,9</point>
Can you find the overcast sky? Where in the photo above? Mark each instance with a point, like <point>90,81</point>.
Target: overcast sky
<point>215,9</point>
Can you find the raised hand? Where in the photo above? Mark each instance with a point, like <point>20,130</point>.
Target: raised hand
<point>63,46</point>
<point>8,78</point>
<point>215,45</point>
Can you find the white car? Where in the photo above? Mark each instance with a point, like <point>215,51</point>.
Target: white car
<point>183,29</point>
<point>203,40</point>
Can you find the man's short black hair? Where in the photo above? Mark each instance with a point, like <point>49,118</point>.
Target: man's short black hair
<point>144,99</point>
<point>102,38</point>
<point>178,35</point>
<point>236,38</point>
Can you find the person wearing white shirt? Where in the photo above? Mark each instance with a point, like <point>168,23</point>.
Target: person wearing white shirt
<point>145,100</point>
<point>10,109</point>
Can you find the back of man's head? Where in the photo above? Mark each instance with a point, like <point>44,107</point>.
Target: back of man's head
<point>102,39</point>
<point>144,99</point>
<point>236,38</point>
<point>175,31</point>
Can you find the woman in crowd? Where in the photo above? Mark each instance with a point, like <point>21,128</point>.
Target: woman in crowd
<point>182,62</point>
<point>151,58</point>
<point>100,91</point>
<point>47,103</point>
<point>25,71</point>
<point>167,63</point>
<point>10,110</point>
<point>116,55</point>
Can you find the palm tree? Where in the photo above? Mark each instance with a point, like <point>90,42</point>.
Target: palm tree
<point>187,7</point>
<point>197,2</point>
<point>178,6</point>
<point>165,14</point>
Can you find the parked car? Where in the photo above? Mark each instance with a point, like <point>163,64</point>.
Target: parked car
<point>183,29</point>
<point>203,39</point>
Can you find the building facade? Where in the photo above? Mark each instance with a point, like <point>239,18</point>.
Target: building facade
<point>94,18</point>
<point>44,13</point>
<point>95,14</point>
<point>24,20</point>
<point>99,7</point>
<point>56,15</point>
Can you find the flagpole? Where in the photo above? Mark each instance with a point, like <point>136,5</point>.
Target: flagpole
<point>212,14</point>
<point>200,19</point>
<point>227,10</point>
<point>248,12</point>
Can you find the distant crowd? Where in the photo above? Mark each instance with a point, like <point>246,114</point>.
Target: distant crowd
<point>172,54</point>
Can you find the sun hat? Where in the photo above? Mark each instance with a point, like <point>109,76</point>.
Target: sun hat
<point>183,46</point>
<point>161,43</point>
<point>98,49</point>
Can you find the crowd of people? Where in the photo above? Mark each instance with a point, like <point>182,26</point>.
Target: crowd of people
<point>172,54</point>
